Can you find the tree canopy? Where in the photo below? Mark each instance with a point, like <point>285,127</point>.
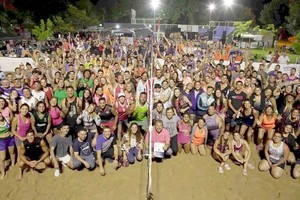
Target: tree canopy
<point>293,19</point>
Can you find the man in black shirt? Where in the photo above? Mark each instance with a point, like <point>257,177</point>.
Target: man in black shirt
<point>34,154</point>
<point>235,102</point>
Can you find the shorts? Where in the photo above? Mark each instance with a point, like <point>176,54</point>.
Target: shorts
<point>64,159</point>
<point>123,122</point>
<point>282,166</point>
<point>6,142</point>
<point>58,126</point>
<point>108,154</point>
<point>18,142</point>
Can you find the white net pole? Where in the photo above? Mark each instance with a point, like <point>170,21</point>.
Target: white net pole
<point>149,186</point>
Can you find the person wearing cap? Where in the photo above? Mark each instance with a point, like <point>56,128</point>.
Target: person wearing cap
<point>122,108</point>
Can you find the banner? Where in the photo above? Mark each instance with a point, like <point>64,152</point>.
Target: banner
<point>10,64</point>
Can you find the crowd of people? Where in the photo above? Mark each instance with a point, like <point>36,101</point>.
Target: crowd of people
<point>88,102</point>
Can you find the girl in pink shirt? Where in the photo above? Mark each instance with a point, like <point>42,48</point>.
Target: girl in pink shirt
<point>184,133</point>
<point>56,114</point>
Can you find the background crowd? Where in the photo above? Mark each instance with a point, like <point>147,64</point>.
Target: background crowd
<point>86,101</point>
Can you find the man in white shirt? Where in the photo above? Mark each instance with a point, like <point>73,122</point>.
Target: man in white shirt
<point>283,59</point>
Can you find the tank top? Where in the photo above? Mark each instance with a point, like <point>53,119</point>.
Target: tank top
<point>41,123</point>
<point>118,89</point>
<point>248,120</point>
<point>199,137</point>
<point>105,114</point>
<point>73,109</point>
<point>223,147</point>
<point>211,122</point>
<point>266,124</point>
<point>33,150</point>
<point>121,110</point>
<point>56,118</point>
<point>276,153</point>
<point>23,126</point>
<point>140,112</point>
<point>184,131</point>
<point>237,148</point>
<point>5,127</point>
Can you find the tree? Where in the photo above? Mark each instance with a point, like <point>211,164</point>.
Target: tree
<point>293,20</point>
<point>296,45</point>
<point>242,27</point>
<point>274,13</point>
<point>62,26</point>
<point>43,31</point>
<point>79,18</point>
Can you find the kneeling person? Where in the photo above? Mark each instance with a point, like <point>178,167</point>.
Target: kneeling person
<point>83,151</point>
<point>34,154</point>
<point>106,147</point>
<point>160,141</point>
<point>61,149</point>
<point>276,155</point>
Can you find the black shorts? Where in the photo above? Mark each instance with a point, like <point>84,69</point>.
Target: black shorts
<point>282,166</point>
<point>108,154</point>
<point>57,126</point>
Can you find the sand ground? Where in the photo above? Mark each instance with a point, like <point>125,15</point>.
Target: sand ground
<point>183,177</point>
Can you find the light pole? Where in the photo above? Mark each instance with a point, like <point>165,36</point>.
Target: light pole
<point>154,5</point>
<point>211,8</point>
<point>228,4</point>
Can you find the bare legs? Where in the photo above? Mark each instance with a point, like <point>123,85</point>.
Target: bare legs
<point>198,148</point>
<point>185,147</point>
<point>276,172</point>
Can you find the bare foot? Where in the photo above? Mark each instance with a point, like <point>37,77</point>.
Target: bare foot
<point>20,177</point>
<point>2,176</point>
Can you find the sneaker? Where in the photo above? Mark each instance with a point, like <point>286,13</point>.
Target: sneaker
<point>250,166</point>
<point>227,167</point>
<point>245,172</point>
<point>56,173</point>
<point>220,169</point>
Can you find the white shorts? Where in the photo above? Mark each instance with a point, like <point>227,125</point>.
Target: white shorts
<point>65,159</point>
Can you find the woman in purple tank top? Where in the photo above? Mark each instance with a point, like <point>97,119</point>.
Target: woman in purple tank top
<point>20,125</point>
